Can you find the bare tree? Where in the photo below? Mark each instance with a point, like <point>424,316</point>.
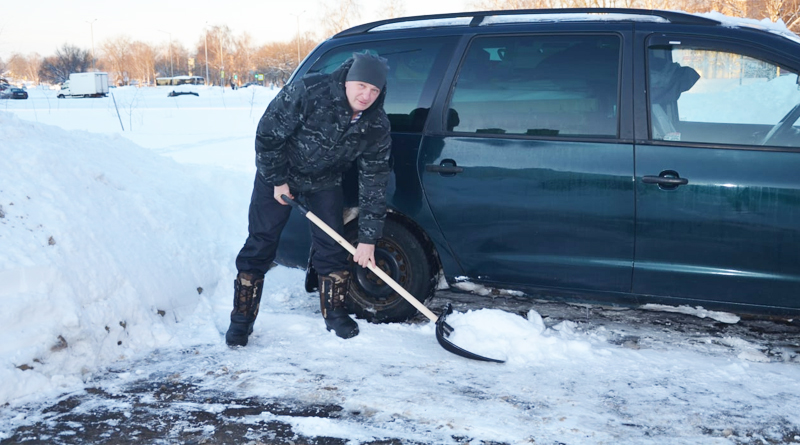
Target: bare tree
<point>172,60</point>
<point>339,15</point>
<point>68,59</point>
<point>143,68</point>
<point>390,9</point>
<point>116,57</point>
<point>501,5</point>
<point>217,43</point>
<point>25,67</point>
<point>594,4</point>
<point>277,61</point>
<point>242,60</point>
<point>734,8</point>
<point>655,4</point>
<point>786,10</point>
<point>181,55</point>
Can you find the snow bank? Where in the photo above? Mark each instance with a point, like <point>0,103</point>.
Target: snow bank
<point>105,247</point>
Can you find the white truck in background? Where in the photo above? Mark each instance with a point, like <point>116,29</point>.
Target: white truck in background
<point>93,84</point>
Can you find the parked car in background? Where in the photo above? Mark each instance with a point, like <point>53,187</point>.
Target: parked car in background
<point>13,93</point>
<point>614,156</point>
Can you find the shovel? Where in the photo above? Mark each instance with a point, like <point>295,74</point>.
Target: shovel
<point>443,330</point>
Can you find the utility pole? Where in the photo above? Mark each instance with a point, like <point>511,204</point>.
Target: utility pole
<point>297,16</point>
<point>221,62</point>
<point>91,30</point>
<point>205,37</point>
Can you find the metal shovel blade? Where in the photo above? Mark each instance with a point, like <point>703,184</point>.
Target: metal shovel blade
<point>443,330</point>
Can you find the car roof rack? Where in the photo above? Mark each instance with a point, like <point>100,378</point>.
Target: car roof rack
<point>477,17</point>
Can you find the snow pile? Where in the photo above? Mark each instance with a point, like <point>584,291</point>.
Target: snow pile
<point>501,335</point>
<point>111,251</point>
<point>105,246</point>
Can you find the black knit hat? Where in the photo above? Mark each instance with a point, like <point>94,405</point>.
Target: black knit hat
<point>368,68</point>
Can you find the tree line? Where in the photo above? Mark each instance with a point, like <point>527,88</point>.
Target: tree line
<point>133,62</point>
<point>219,56</point>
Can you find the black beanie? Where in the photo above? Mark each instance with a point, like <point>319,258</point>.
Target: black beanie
<point>368,68</point>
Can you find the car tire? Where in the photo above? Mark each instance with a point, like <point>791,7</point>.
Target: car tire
<point>60,96</point>
<point>402,256</point>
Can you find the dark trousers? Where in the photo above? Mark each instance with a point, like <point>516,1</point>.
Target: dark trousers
<point>268,217</point>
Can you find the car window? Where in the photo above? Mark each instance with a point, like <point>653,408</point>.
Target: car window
<point>543,85</point>
<point>409,81</point>
<point>703,94</point>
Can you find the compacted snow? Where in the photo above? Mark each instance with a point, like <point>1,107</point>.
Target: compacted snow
<point>117,262</point>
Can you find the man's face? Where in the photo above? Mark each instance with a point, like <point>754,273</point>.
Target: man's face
<point>361,95</point>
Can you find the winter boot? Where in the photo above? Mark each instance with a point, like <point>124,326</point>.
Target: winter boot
<point>332,292</point>
<point>246,299</point>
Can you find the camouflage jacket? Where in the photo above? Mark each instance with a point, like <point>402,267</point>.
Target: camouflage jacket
<point>305,139</point>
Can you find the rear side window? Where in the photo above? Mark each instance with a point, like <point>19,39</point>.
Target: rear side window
<point>543,85</point>
<point>700,92</point>
<point>411,82</point>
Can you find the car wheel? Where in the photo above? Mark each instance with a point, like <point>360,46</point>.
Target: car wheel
<point>60,96</point>
<point>400,254</point>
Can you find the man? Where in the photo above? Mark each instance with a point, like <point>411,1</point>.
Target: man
<point>309,136</point>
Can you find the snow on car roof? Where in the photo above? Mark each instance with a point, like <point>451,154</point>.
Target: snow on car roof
<point>426,23</point>
<point>571,17</point>
<point>519,18</point>
<point>766,25</point>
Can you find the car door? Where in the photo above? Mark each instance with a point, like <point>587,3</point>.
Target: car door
<point>528,177</point>
<point>717,185</point>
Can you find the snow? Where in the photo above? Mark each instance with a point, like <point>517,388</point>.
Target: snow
<point>698,311</point>
<point>766,24</point>
<point>118,254</point>
<point>424,23</point>
<point>573,17</point>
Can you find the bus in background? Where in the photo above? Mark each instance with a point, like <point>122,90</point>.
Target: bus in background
<point>180,80</point>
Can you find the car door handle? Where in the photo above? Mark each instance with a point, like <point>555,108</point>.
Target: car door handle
<point>661,180</point>
<point>666,180</point>
<point>446,167</point>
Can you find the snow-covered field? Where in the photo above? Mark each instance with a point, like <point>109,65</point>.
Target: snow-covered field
<point>117,254</point>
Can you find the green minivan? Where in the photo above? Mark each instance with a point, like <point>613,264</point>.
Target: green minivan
<point>615,156</point>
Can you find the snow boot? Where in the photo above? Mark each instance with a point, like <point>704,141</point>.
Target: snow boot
<point>332,292</point>
<point>246,299</point>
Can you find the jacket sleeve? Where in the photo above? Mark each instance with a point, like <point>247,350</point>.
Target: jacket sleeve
<point>279,122</point>
<point>373,177</point>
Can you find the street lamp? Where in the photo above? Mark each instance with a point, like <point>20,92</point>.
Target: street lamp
<point>171,67</point>
<point>297,16</point>
<point>205,37</point>
<point>221,57</point>
<point>91,30</point>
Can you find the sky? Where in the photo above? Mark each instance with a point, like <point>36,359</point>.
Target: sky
<point>120,219</point>
<point>26,27</point>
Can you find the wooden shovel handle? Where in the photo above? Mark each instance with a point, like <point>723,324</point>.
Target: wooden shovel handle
<point>349,247</point>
